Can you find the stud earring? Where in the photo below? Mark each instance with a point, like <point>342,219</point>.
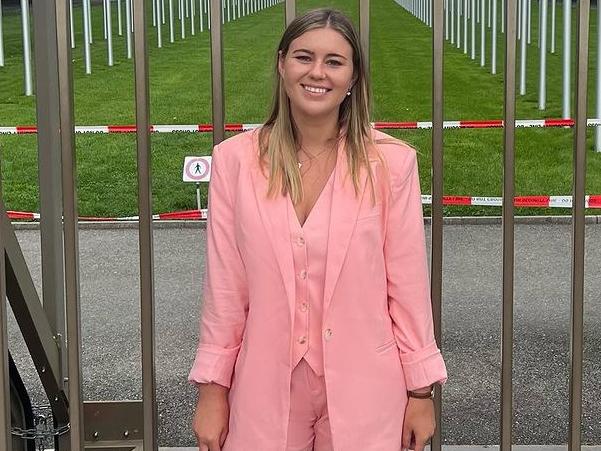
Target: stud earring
<point>348,93</point>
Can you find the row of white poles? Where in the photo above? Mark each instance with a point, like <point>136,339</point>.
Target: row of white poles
<point>461,17</point>
<point>231,10</point>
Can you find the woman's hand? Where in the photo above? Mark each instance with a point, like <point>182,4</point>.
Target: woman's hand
<point>419,423</point>
<point>211,418</point>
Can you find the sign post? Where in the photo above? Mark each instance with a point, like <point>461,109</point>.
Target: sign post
<point>197,170</point>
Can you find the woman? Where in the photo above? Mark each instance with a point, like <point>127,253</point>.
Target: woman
<point>316,329</point>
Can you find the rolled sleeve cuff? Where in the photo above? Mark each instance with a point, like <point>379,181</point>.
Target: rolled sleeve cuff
<point>213,364</point>
<point>424,367</point>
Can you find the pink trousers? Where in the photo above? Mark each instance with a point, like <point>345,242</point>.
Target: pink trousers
<point>309,425</point>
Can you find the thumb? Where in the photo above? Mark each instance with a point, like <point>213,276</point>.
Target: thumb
<point>406,436</point>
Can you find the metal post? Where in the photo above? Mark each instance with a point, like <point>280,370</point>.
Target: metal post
<point>493,56</point>
<point>171,27</point>
<point>159,31</point>
<point>446,19</point>
<point>553,7</point>
<point>182,19</point>
<point>459,12</point>
<point>5,420</point>
<point>86,38</point>
<point>28,81</point>
<point>119,18</point>
<point>200,13</point>
<point>71,26</point>
<point>217,72</point>
<point>290,11</point>
<point>452,24</point>
<point>542,93</point>
<point>502,16</point>
<point>465,33</point>
<point>364,31</point>
<point>473,17</point>
<point>437,194</point>
<point>579,184</point>
<point>529,19</point>
<point>109,32</point>
<point>567,25</point>
<point>482,33</point>
<point>128,27</point>
<point>598,84</point>
<point>145,227</point>
<point>89,19</point>
<point>523,48</point>
<point>508,227</point>
<point>192,20</point>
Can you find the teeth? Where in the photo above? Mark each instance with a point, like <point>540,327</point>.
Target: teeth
<point>316,90</point>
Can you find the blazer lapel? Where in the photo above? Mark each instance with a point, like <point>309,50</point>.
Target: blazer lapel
<point>274,215</point>
<point>343,216</point>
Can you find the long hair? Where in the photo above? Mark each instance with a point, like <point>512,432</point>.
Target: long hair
<point>278,137</point>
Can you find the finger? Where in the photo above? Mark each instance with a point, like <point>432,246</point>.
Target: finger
<point>420,444</point>
<point>214,446</point>
<point>223,437</point>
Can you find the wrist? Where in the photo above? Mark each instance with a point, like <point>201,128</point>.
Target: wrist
<point>422,393</point>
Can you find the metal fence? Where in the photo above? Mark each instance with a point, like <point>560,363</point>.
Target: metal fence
<point>133,424</point>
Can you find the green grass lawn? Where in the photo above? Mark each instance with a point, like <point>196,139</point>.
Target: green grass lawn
<point>180,94</point>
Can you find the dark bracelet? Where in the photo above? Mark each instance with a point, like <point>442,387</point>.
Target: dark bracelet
<point>425,395</point>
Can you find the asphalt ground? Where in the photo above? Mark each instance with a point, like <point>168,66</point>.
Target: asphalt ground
<point>472,298</point>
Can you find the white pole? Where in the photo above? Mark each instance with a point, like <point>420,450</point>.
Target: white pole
<point>465,26</point>
<point>483,33</point>
<point>529,20</point>
<point>523,44</point>
<point>104,20</point>
<point>542,93</point>
<point>109,30</point>
<point>171,31</point>
<point>1,38</point>
<point>567,22</point>
<point>89,19</point>
<point>182,19</point>
<point>187,8</point>
<point>519,24</point>
<point>200,14</point>
<point>540,18</point>
<point>192,15</point>
<point>71,24</point>
<point>502,16</point>
<point>163,11</point>
<point>208,10</point>
<point>493,56</point>
<point>446,19</point>
<point>459,12</point>
<point>473,11</point>
<point>239,8</point>
<point>154,14</point>
<point>452,24</point>
<point>598,129</point>
<point>489,12</point>
<point>26,47</point>
<point>159,22</point>
<point>227,2</point>
<point>128,28</point>
<point>119,19</point>
<point>553,3</point>
<point>86,38</point>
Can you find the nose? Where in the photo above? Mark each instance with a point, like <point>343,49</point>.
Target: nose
<point>317,71</point>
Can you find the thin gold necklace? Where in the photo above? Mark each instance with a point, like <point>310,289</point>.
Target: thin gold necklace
<point>312,157</point>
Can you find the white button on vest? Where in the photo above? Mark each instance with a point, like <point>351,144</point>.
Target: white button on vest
<point>327,334</point>
<point>302,340</point>
<point>303,274</point>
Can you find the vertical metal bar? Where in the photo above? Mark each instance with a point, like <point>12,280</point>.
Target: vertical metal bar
<point>5,421</point>
<point>508,224</point>
<point>598,85</point>
<point>364,30</point>
<point>579,178</point>
<point>145,227</point>
<point>217,72</point>
<point>109,32</point>
<point>128,27</point>
<point>437,191</point>
<point>567,48</point>
<point>482,33</point>
<point>27,72</point>
<point>553,14</point>
<point>493,56</point>
<point>523,47</point>
<point>542,91</point>
<point>71,240</point>
<point>290,11</point>
<point>1,38</point>
<point>49,173</point>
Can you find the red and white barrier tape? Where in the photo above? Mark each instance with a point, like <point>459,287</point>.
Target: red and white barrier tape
<point>208,128</point>
<point>591,201</point>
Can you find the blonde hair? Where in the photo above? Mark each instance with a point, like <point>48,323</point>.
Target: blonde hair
<point>278,137</point>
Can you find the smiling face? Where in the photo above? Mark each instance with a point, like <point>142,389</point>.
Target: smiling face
<point>316,72</point>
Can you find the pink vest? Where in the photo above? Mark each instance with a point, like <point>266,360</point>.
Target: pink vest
<point>309,245</point>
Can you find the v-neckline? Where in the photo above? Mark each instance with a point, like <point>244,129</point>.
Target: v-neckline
<point>319,196</point>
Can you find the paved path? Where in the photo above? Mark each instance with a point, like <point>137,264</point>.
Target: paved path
<point>471,323</point>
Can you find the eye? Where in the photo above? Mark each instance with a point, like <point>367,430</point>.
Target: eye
<point>303,58</point>
<point>334,63</point>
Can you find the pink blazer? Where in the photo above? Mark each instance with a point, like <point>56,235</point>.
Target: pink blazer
<point>377,326</point>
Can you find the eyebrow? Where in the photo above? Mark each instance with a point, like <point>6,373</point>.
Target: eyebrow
<point>313,53</point>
